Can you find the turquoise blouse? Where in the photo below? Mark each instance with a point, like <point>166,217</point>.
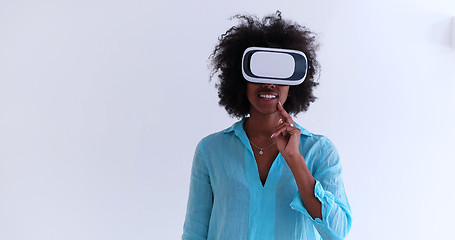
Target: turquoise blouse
<point>228,201</point>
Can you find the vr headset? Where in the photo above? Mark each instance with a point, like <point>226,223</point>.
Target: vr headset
<point>274,66</point>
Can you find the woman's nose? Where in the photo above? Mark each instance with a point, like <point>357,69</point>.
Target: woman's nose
<point>269,85</point>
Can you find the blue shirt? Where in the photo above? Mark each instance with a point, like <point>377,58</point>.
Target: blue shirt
<point>228,201</point>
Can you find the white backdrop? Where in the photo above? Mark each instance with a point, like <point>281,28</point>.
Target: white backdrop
<point>103,102</point>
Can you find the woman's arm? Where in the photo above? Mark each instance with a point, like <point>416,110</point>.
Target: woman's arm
<point>334,221</point>
<point>200,199</point>
<point>321,197</point>
<point>305,183</point>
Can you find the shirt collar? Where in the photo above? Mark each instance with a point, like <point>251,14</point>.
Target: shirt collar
<point>238,128</point>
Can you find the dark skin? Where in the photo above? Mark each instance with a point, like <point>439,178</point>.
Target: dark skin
<point>269,122</point>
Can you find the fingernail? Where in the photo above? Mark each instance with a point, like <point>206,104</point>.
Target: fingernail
<point>272,135</point>
<point>279,103</point>
<point>281,121</point>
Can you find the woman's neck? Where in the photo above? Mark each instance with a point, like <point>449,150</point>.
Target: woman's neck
<point>261,126</point>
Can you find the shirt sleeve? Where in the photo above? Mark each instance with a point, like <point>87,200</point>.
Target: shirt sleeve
<point>200,199</point>
<point>329,189</point>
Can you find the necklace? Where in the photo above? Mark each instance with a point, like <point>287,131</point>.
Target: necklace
<point>261,149</point>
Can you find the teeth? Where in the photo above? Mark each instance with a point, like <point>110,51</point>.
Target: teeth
<point>267,96</point>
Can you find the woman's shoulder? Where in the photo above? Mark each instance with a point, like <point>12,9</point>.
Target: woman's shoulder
<point>222,136</point>
<point>215,138</point>
<point>314,140</point>
<point>310,136</point>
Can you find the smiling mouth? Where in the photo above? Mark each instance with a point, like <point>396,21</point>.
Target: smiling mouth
<point>267,96</point>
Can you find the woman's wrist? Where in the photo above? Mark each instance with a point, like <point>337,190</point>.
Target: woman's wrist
<point>294,159</point>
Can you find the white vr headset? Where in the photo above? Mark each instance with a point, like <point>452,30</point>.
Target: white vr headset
<point>274,66</point>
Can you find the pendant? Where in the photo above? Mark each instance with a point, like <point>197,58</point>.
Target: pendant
<point>261,152</point>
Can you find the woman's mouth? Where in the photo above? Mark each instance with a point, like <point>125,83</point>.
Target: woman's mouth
<point>268,96</point>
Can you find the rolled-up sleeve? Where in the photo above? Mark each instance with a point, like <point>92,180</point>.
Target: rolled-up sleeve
<point>200,199</point>
<point>329,189</point>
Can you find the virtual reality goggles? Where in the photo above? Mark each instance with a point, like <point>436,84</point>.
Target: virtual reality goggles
<point>274,66</point>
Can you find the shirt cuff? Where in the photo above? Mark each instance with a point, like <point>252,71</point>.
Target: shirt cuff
<point>325,197</point>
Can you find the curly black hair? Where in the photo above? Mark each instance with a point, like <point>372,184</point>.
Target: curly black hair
<point>271,31</point>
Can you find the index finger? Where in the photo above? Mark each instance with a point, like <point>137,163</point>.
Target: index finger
<point>284,114</point>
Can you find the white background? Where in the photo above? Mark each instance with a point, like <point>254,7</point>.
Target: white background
<point>103,102</point>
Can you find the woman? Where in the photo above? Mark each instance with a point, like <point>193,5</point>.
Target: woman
<point>265,177</point>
